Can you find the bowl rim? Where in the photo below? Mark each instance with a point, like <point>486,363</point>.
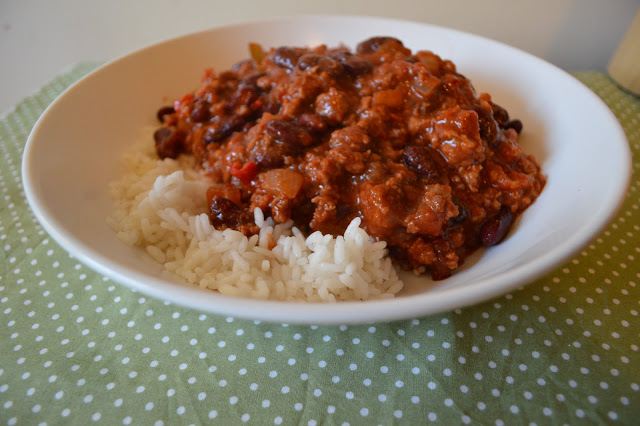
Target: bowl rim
<point>432,302</point>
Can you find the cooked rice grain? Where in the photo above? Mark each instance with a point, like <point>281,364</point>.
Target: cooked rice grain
<point>160,206</point>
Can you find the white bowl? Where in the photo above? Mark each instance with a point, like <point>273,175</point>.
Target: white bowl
<point>75,150</point>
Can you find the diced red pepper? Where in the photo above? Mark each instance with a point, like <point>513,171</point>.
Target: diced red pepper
<point>257,104</point>
<point>245,172</point>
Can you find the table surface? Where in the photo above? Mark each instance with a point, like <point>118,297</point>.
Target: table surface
<point>77,348</point>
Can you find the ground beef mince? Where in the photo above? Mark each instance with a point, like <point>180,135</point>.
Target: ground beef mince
<point>322,135</point>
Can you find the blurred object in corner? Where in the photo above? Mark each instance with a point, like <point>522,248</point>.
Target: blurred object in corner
<point>624,66</point>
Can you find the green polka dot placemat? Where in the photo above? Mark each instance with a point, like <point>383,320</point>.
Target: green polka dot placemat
<point>76,348</point>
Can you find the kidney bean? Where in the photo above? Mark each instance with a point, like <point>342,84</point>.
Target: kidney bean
<point>225,213</point>
<point>313,122</point>
<point>439,270</point>
<point>162,134</point>
<point>356,65</point>
<point>243,96</point>
<point>499,114</point>
<point>488,126</point>
<point>417,158</point>
<point>165,110</point>
<point>513,124</point>
<point>310,60</point>
<point>463,214</point>
<point>286,57</point>
<point>222,128</point>
<point>496,228</point>
<point>340,54</point>
<point>323,62</point>
<point>251,81</point>
<point>271,106</point>
<point>200,111</point>
<point>373,44</point>
<point>270,156</point>
<point>168,142</point>
<point>288,133</point>
<point>226,76</point>
<point>303,214</point>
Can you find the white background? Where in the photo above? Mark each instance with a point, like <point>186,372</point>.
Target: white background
<point>40,39</point>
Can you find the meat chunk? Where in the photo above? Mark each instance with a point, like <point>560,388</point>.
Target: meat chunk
<point>434,210</point>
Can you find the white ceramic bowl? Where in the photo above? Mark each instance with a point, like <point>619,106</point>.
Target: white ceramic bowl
<point>75,150</point>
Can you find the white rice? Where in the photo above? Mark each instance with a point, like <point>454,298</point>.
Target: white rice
<point>160,205</point>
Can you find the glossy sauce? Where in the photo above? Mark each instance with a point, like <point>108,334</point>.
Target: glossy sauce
<point>322,135</point>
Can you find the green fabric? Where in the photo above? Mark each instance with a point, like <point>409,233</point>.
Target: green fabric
<point>76,348</point>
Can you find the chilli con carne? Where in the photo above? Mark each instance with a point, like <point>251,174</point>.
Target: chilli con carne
<point>322,135</point>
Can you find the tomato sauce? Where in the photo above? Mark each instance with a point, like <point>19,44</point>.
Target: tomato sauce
<point>321,135</point>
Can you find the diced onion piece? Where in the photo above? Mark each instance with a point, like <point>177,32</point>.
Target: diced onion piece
<point>282,181</point>
<point>391,98</point>
<point>227,191</point>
